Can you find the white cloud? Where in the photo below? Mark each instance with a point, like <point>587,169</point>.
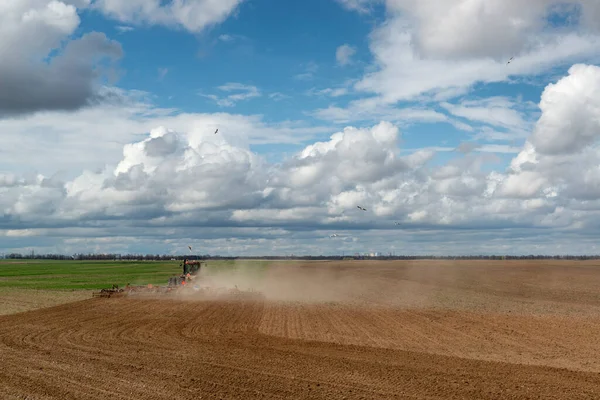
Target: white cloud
<point>226,38</point>
<point>124,28</point>
<point>193,16</point>
<point>332,92</point>
<point>362,6</point>
<point>489,134</point>
<point>422,55</point>
<point>371,109</point>
<point>277,96</point>
<point>341,90</point>
<point>422,48</point>
<point>245,92</point>
<point>459,28</point>
<point>122,122</point>
<point>480,28</point>
<point>157,174</point>
<point>571,112</point>
<point>175,178</point>
<point>498,148</point>
<point>561,155</point>
<point>495,111</point>
<point>344,53</point>
<point>231,38</point>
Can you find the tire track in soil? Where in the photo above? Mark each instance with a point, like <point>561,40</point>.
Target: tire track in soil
<point>564,342</point>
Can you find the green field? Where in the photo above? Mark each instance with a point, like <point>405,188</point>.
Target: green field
<point>75,275</point>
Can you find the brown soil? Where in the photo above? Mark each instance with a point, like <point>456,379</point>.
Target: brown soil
<point>19,300</point>
<point>389,330</point>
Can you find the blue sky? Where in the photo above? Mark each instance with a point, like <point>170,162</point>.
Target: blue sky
<point>282,49</point>
<point>408,108</point>
<point>286,50</point>
<point>266,44</point>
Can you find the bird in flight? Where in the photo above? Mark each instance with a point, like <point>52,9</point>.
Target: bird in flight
<point>216,131</point>
<point>361,208</point>
<point>509,60</point>
<point>334,235</point>
<point>397,223</point>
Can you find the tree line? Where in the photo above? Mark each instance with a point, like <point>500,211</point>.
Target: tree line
<point>165,257</point>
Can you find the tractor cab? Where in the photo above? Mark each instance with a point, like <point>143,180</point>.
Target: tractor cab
<point>190,266</point>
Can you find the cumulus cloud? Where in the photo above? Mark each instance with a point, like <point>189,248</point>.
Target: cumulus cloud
<point>30,31</point>
<point>485,28</point>
<point>159,177</point>
<point>459,29</point>
<point>571,112</point>
<point>178,178</point>
<point>130,116</point>
<point>561,155</point>
<point>435,51</point>
<point>171,176</point>
<point>435,46</point>
<point>193,15</point>
<point>166,173</point>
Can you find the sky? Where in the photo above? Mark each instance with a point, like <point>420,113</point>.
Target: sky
<point>407,108</point>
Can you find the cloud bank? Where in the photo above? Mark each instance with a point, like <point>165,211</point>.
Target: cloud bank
<point>129,176</point>
<point>198,184</point>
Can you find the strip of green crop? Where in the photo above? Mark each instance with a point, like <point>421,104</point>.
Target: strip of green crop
<point>55,274</point>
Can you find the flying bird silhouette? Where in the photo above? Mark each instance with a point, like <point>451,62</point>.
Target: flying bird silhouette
<point>509,60</point>
<point>361,208</point>
<point>216,131</point>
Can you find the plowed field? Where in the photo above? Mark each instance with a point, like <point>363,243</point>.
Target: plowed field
<point>370,330</point>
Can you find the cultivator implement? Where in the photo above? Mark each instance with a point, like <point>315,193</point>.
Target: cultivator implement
<point>186,284</point>
<point>113,292</point>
